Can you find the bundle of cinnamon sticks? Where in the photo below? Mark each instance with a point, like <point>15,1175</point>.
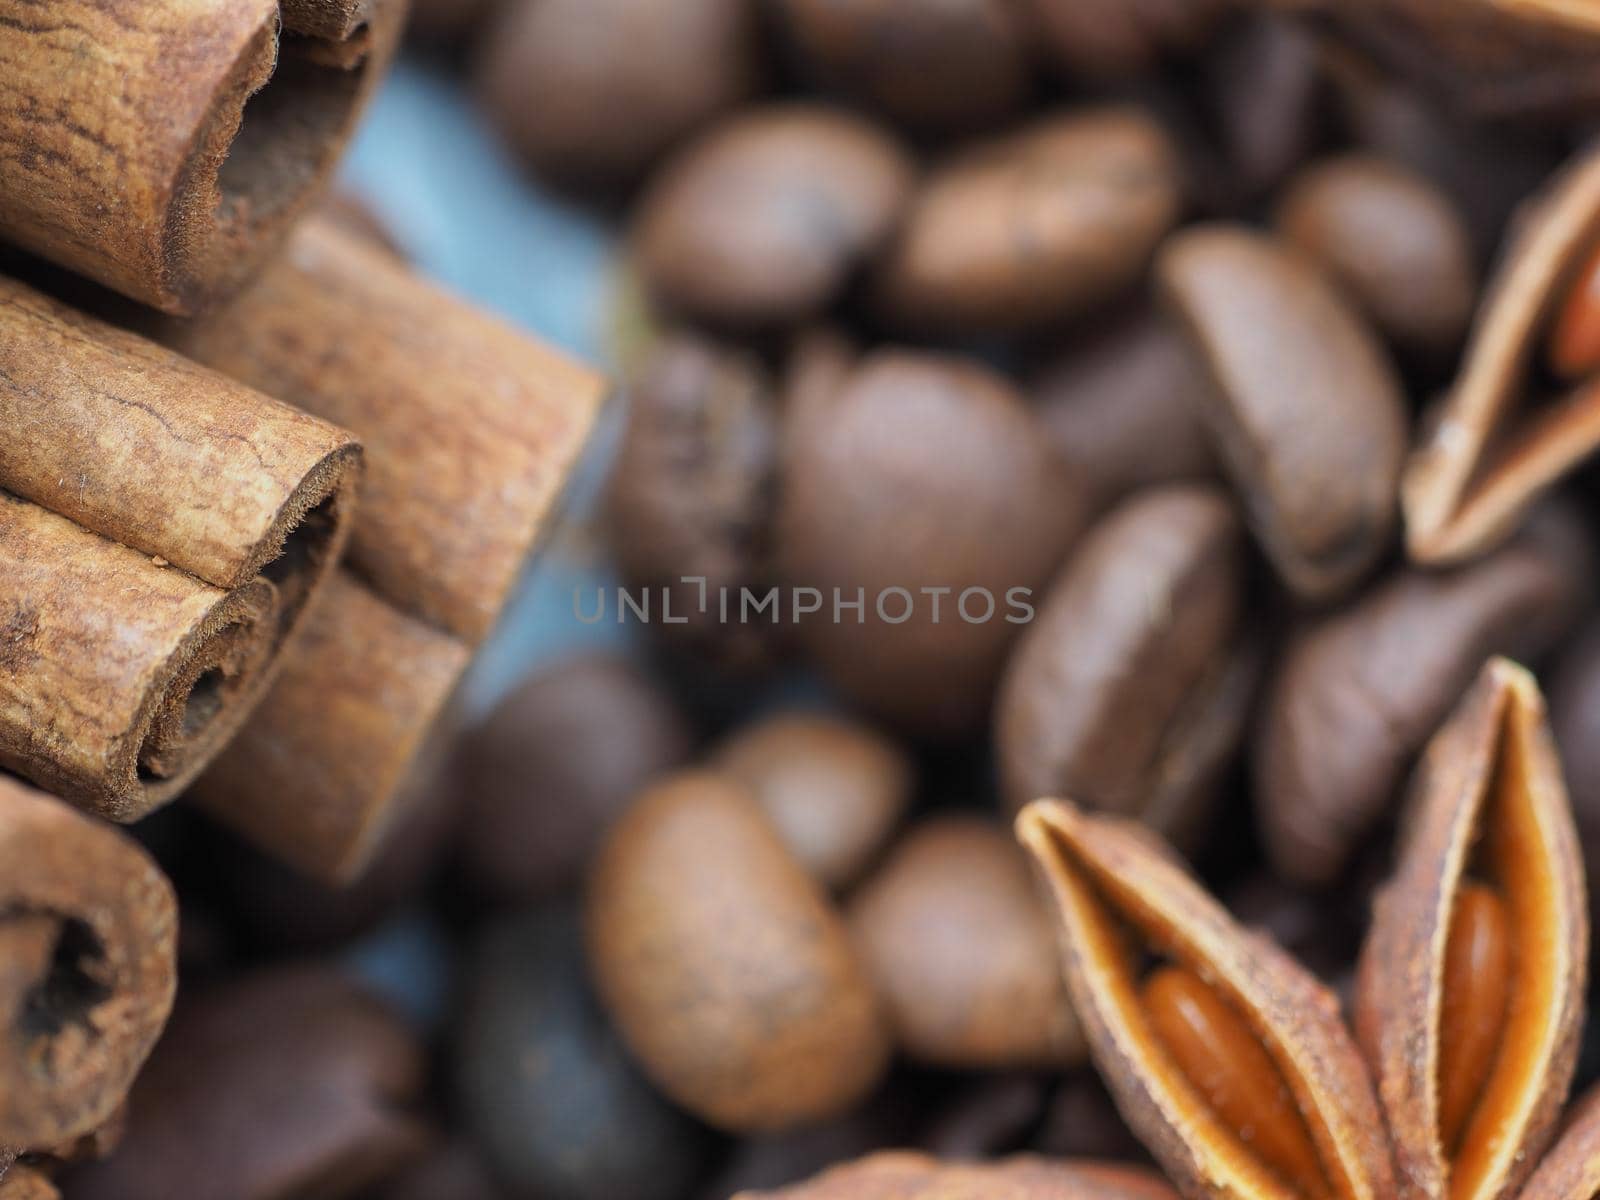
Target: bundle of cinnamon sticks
<point>256,513</point>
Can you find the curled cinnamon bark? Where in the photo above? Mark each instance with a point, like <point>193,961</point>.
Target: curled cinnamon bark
<point>161,530</point>
<point>88,930</point>
<point>471,430</point>
<point>209,129</point>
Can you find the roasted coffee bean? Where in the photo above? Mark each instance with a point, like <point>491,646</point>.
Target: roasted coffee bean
<point>833,789</point>
<point>545,774</point>
<point>592,91</point>
<point>729,975</point>
<point>1129,691</point>
<point>270,1085</point>
<point>543,1085</point>
<point>1306,407</point>
<point>927,491</point>
<point>691,493</point>
<point>763,220</point>
<point>961,947</point>
<point>1395,244</point>
<point>1033,228</point>
<point>455,1171</point>
<point>952,65</point>
<point>1116,37</point>
<point>1357,693</point>
<point>1124,409</point>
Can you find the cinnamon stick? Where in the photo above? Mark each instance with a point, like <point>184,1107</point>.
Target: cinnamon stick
<point>471,430</point>
<point>88,931</point>
<point>161,531</point>
<point>163,147</point>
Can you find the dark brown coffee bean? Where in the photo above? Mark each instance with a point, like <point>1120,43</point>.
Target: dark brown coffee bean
<point>1359,692</point>
<point>1118,37</point>
<point>763,220</point>
<point>1306,408</point>
<point>1123,407</point>
<point>265,1087</point>
<point>724,966</point>
<point>925,478</point>
<point>1130,690</point>
<point>592,91</point>
<point>833,789</point>
<point>543,1085</point>
<point>962,948</point>
<point>690,495</point>
<point>952,65</point>
<point>1395,244</point>
<point>1034,228</point>
<point>454,1171</point>
<point>445,22</point>
<point>1575,721</point>
<point>559,759</point>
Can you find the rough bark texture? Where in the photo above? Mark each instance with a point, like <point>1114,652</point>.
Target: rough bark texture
<point>145,101</point>
<point>161,529</point>
<point>319,774</point>
<point>470,427</point>
<point>88,937</point>
<point>471,430</point>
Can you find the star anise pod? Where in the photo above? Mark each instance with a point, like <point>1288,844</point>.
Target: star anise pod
<point>1233,1063</point>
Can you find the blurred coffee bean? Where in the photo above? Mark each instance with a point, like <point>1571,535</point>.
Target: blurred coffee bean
<point>723,965</point>
<point>1033,228</point>
<point>1306,408</point>
<point>927,491</point>
<point>591,92</point>
<point>546,773</point>
<point>1083,1122</point>
<point>543,1085</point>
<point>1355,696</point>
<point>1395,243</point>
<point>963,951</point>
<point>1575,721</point>
<point>1267,100</point>
<point>1123,408</point>
<point>454,1171</point>
<point>763,220</point>
<point>819,365</point>
<point>1130,690</point>
<point>903,1175</point>
<point>954,65</point>
<point>1322,932</point>
<point>1108,38</point>
<point>834,789</point>
<point>442,22</point>
<point>691,493</point>
<point>992,1115</point>
<point>286,1082</point>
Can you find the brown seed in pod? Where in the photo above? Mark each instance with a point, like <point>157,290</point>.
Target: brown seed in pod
<point>1395,243</point>
<point>1470,997</point>
<point>952,65</point>
<point>834,789</point>
<point>962,948</point>
<point>1118,37</point>
<point>1131,688</point>
<point>1306,409</point>
<point>1033,228</point>
<point>724,967</point>
<point>1123,408</point>
<point>1357,693</point>
<point>1487,454</point>
<point>906,1175</point>
<point>691,491</point>
<point>925,479</point>
<point>1224,1055</point>
<point>763,219</point>
<point>591,91</point>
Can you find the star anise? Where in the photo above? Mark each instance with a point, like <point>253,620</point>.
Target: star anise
<point>1233,1063</point>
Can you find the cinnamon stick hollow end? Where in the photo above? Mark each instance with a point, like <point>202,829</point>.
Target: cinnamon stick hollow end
<point>210,130</point>
<point>88,932</point>
<point>323,770</point>
<point>121,677</point>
